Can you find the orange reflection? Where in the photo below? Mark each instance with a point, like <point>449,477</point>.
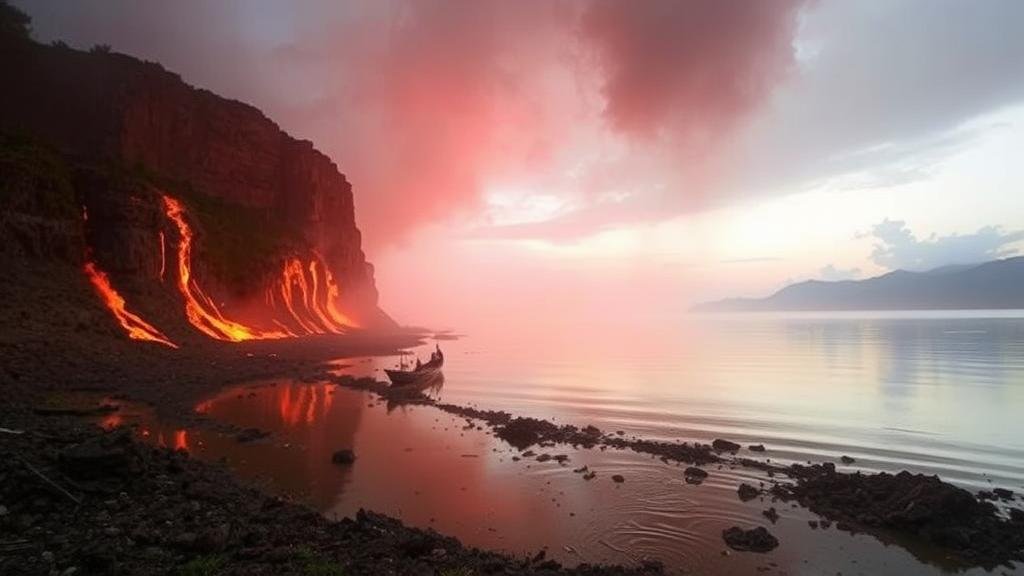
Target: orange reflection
<point>181,440</point>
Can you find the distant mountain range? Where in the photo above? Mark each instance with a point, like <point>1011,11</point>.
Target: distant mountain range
<point>993,285</point>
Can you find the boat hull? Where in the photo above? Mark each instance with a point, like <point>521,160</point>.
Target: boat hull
<point>409,377</point>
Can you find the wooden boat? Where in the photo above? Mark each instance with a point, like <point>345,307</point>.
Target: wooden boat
<point>422,374</point>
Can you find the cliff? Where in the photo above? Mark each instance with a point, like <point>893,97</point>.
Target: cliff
<point>127,132</point>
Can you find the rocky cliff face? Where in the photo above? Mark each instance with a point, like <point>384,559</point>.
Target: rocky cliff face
<point>260,196</point>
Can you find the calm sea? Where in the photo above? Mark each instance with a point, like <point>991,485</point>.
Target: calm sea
<point>940,393</point>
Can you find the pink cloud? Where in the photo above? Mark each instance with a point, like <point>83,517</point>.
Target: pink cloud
<point>693,68</point>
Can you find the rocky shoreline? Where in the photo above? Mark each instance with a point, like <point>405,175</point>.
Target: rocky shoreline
<point>967,527</point>
<point>78,500</point>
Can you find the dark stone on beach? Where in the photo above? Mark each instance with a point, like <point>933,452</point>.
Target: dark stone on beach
<point>694,475</point>
<point>1003,493</point>
<point>847,460</point>
<point>543,457</point>
<point>103,456</point>
<point>754,540</point>
<point>525,432</point>
<point>618,478</point>
<point>771,514</point>
<point>1017,515</point>
<point>934,511</point>
<point>813,524</point>
<point>725,445</point>
<point>756,447</point>
<point>251,435</point>
<point>344,457</point>
<point>747,492</point>
<point>590,475</point>
<point>561,458</point>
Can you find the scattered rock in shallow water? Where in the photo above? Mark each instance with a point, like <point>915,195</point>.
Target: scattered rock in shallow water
<point>561,458</point>
<point>618,478</point>
<point>725,445</point>
<point>694,475</point>
<point>771,514</point>
<point>756,447</point>
<point>251,435</point>
<point>525,432</point>
<point>581,470</point>
<point>529,454</point>
<point>846,459</point>
<point>590,475</point>
<point>543,457</point>
<point>813,524</point>
<point>755,540</point>
<point>344,457</point>
<point>1003,493</point>
<point>747,492</point>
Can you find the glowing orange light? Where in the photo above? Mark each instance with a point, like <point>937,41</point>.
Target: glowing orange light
<point>163,256</point>
<point>199,308</point>
<point>136,327</point>
<point>181,440</point>
<point>333,293</point>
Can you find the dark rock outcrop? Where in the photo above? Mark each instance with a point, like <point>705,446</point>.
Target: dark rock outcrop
<point>721,445</point>
<point>923,506</point>
<point>754,540</point>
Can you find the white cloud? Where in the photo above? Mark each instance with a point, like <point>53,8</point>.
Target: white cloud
<point>898,248</point>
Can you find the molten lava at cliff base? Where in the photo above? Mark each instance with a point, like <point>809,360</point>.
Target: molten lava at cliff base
<point>136,327</point>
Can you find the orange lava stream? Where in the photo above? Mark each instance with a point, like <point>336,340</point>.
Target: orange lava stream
<point>313,308</point>
<point>199,308</point>
<point>291,277</point>
<point>163,256</point>
<point>137,328</point>
<point>333,292</point>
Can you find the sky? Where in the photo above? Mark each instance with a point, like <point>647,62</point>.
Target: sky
<point>596,160</point>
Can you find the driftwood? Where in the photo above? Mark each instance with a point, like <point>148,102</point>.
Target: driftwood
<point>52,484</point>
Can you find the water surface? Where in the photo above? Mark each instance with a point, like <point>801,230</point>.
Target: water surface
<point>929,392</point>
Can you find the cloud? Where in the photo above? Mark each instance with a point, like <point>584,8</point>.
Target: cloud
<point>632,111</point>
<point>883,91</point>
<point>898,248</point>
<point>693,69</point>
<point>830,273</point>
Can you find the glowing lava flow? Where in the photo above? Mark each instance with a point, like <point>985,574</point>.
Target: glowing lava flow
<point>199,308</point>
<point>307,294</point>
<point>333,293</point>
<point>163,256</point>
<point>137,328</point>
<point>314,309</point>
